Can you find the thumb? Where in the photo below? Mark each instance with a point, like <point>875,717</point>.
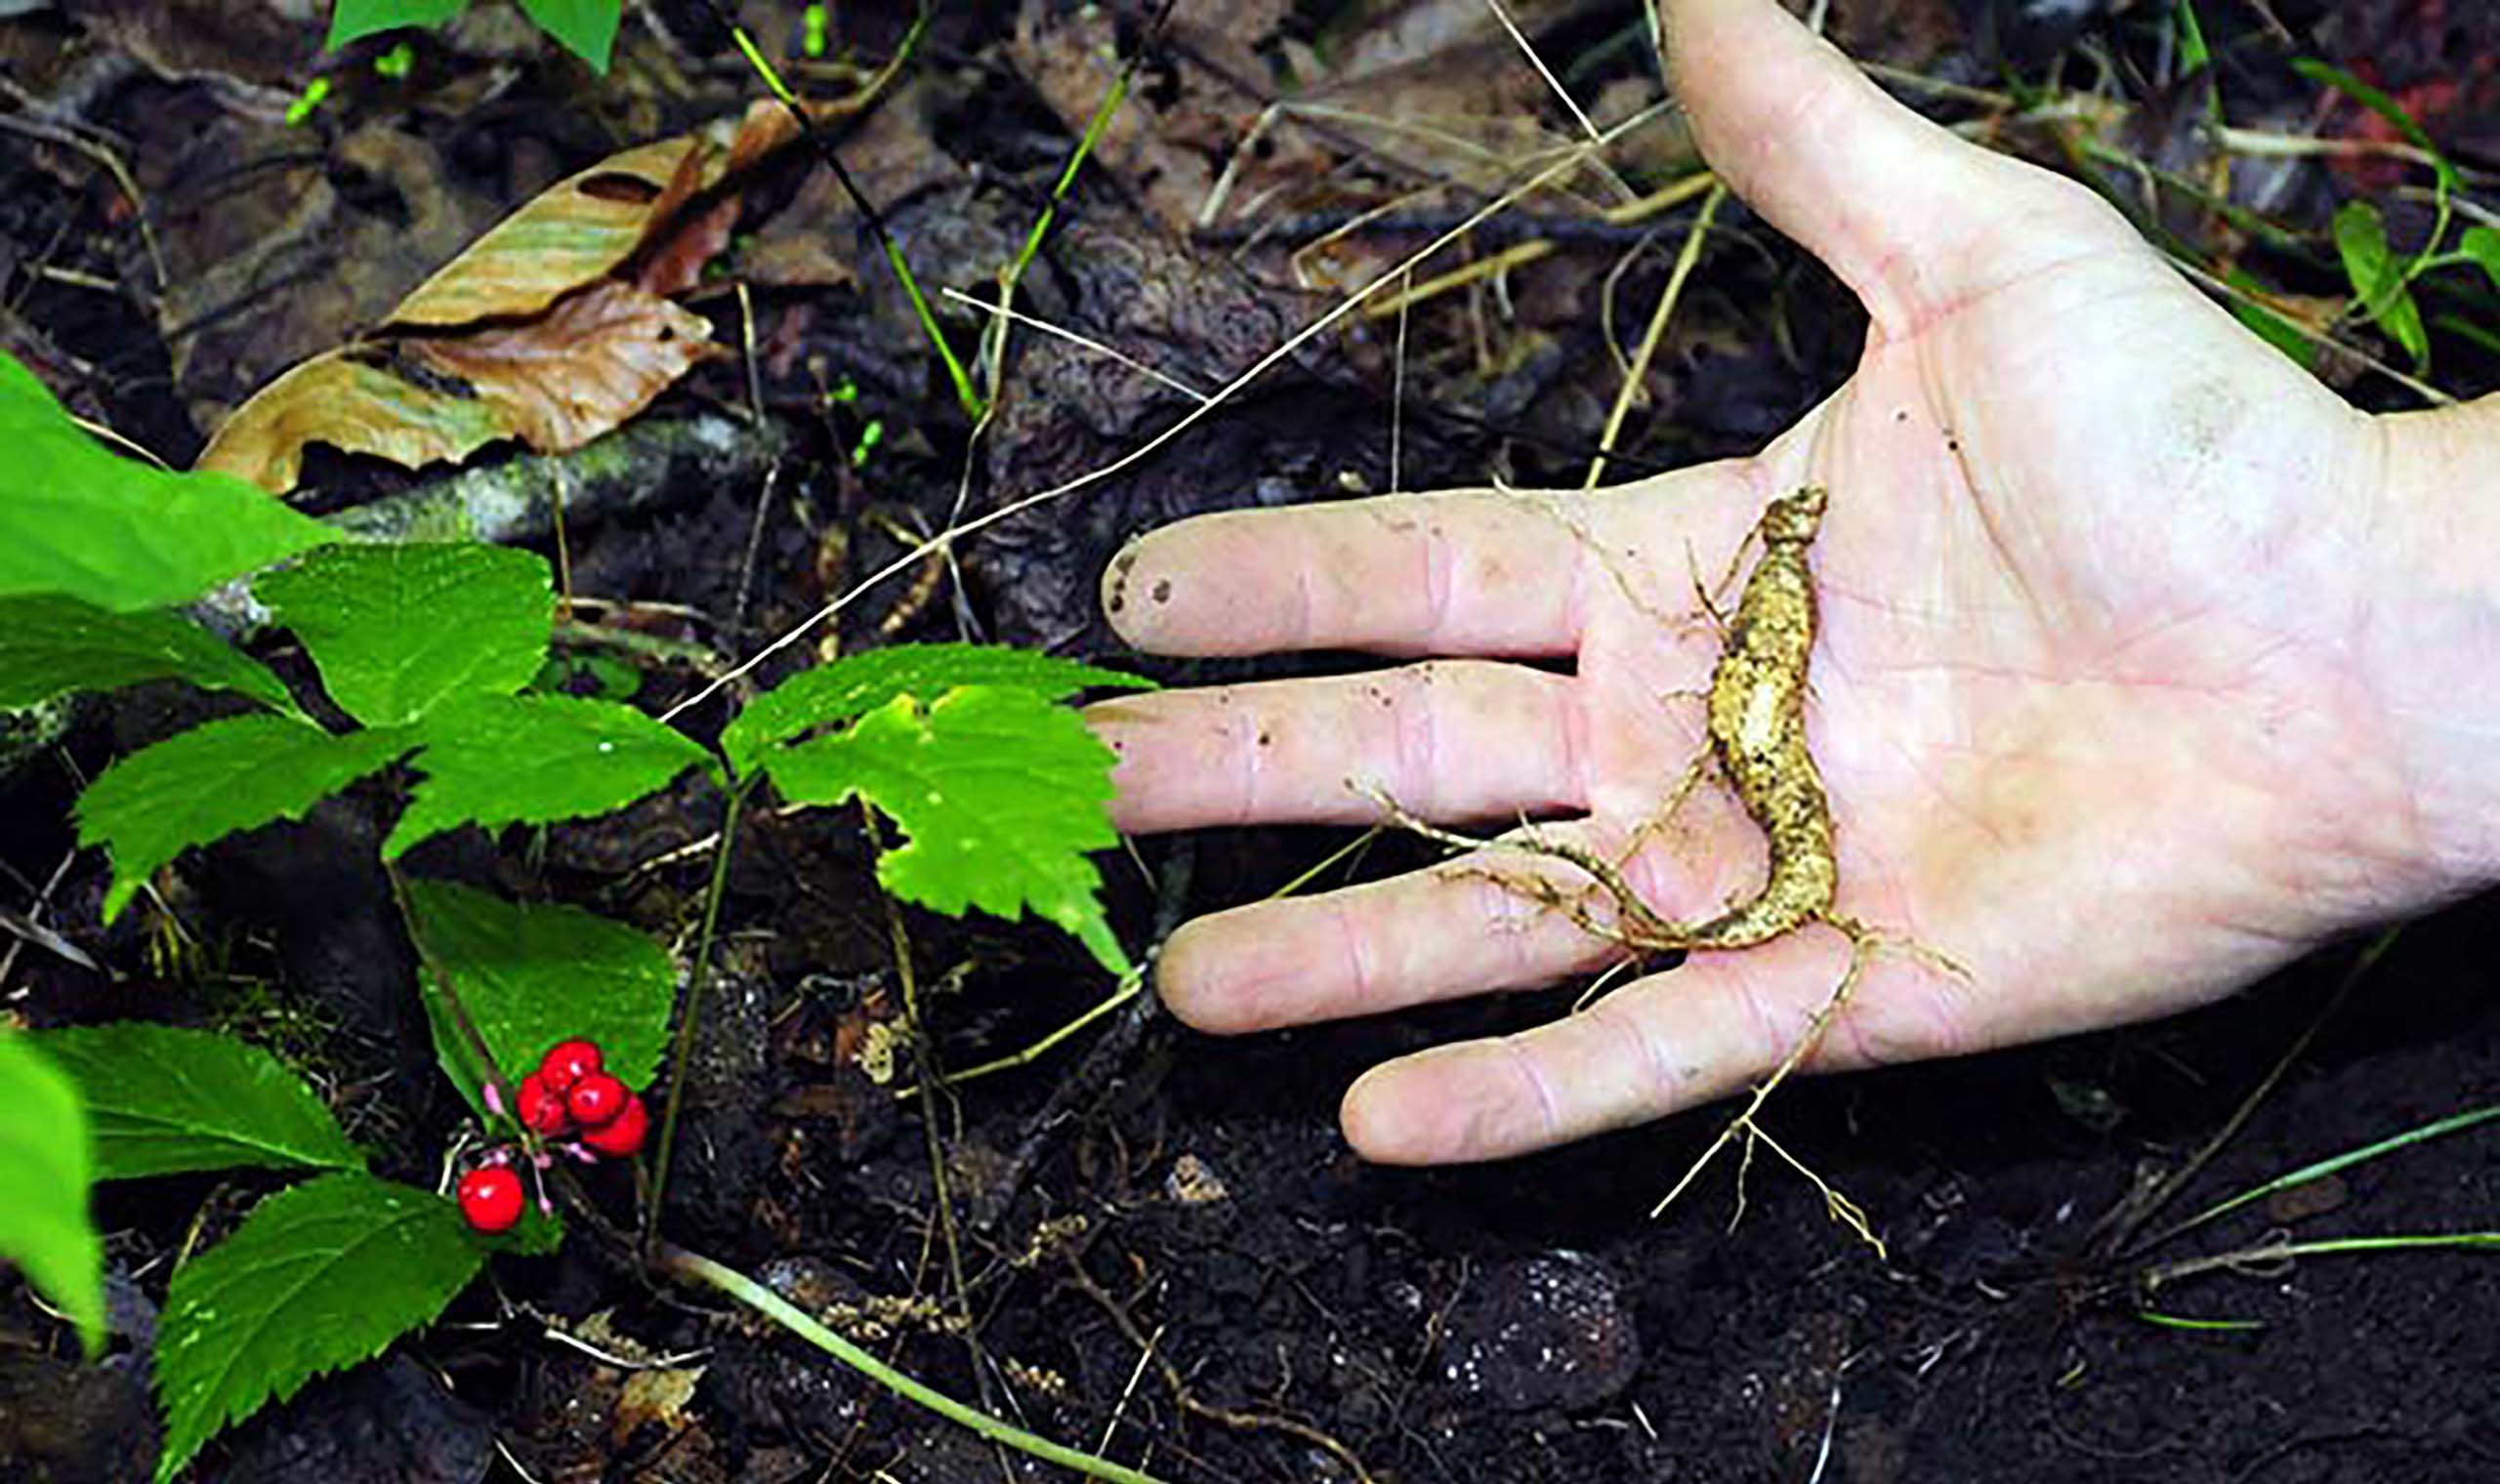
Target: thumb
<point>1910,216</point>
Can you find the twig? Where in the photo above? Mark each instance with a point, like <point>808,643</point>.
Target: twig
<point>1639,371</point>
<point>2120,1226</point>
<point>1187,420</point>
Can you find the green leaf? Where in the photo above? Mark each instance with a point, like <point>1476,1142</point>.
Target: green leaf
<point>52,645</point>
<point>318,1278</point>
<point>2361,240</point>
<point>586,28</point>
<point>45,1165</point>
<point>165,1099</point>
<point>855,684</point>
<point>529,759</point>
<point>2327,74</point>
<point>2482,245</point>
<point>78,521</point>
<point>532,975</point>
<point>398,629</point>
<point>2194,53</point>
<point>355,19</point>
<point>213,780</point>
<point>1001,791</point>
<point>2278,331</point>
<point>2272,328</point>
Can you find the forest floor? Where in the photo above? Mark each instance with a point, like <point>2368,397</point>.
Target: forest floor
<point>1170,1255</point>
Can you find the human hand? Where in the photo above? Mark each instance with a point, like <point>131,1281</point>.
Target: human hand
<point>2094,699</point>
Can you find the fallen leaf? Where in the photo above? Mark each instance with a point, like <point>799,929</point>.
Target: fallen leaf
<point>532,333</point>
<point>575,232</point>
<point>594,360</point>
<point>354,399</point>
<point>553,328</point>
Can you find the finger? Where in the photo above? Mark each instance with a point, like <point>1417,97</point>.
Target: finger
<point>1449,741</point>
<point>1912,217</point>
<point>1673,1041</point>
<point>1460,573</point>
<point>1496,919</point>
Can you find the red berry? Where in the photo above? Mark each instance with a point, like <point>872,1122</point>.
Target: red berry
<point>596,1099</point>
<point>492,1198</point>
<point>622,1136</point>
<point>540,1108</point>
<point>567,1062</point>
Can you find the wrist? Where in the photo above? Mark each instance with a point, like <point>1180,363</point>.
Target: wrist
<point>2430,638</point>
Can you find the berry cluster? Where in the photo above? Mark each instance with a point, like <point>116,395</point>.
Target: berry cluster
<point>571,1093</point>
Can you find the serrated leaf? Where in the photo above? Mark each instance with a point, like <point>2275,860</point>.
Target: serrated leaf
<point>399,628</point>
<point>318,1278</point>
<point>213,780</point>
<point>163,1099</point>
<point>1001,793</point>
<point>531,759</point>
<point>2482,245</point>
<point>858,684</point>
<point>46,1165</point>
<point>2378,279</point>
<point>52,645</point>
<point>586,28</point>
<point>78,521</point>
<point>355,19</point>
<point>532,975</point>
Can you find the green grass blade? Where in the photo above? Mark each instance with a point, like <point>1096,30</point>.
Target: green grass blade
<point>966,394</point>
<point>2453,1123</point>
<point>2188,1322</point>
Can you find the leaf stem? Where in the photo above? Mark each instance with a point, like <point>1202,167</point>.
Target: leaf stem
<point>689,1014</point>
<point>693,1267</point>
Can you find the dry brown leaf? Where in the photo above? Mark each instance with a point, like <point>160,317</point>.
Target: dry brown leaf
<point>556,383</point>
<point>576,230</point>
<point>655,1399</point>
<point>529,333</point>
<point>552,327</point>
<point>594,360</point>
<point>355,399</point>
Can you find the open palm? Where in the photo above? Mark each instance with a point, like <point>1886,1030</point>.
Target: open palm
<point>2091,612</point>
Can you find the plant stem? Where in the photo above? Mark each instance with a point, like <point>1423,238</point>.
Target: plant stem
<point>965,393</point>
<point>2318,1169</point>
<point>1127,991</point>
<point>1094,128</point>
<point>1638,373</point>
<point>689,1014</point>
<point>445,991</point>
<point>924,1060</point>
<point>2283,1252</point>
<point>2119,1227</point>
<point>693,1267</point>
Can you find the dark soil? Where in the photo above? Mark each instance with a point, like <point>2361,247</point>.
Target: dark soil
<point>1168,1251</point>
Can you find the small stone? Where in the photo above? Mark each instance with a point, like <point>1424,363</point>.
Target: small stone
<point>1195,1182</point>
